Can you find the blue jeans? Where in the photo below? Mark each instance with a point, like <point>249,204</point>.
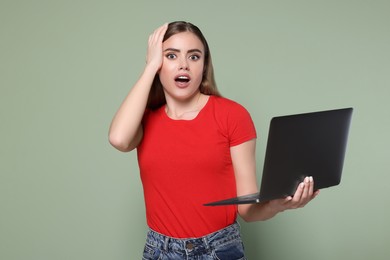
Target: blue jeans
<point>223,244</point>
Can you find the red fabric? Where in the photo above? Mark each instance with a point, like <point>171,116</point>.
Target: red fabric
<point>186,163</point>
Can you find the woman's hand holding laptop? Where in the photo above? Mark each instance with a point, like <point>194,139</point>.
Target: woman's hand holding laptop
<point>303,195</point>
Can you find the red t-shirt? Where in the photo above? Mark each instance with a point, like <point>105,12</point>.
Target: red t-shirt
<point>186,163</point>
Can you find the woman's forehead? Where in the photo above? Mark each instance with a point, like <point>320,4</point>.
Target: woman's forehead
<point>183,41</point>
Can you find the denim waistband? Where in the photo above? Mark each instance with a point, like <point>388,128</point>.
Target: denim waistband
<point>194,245</point>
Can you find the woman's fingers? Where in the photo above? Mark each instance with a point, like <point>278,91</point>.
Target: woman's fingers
<point>304,193</point>
<point>158,34</point>
<point>296,199</point>
<point>308,189</point>
<point>154,55</point>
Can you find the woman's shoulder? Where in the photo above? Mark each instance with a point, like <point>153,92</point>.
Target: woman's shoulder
<point>226,104</point>
<point>233,119</point>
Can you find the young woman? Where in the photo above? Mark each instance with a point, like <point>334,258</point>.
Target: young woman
<point>193,147</point>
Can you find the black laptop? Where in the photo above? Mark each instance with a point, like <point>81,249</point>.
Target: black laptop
<point>310,144</point>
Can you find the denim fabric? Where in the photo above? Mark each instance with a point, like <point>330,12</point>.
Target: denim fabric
<point>225,244</point>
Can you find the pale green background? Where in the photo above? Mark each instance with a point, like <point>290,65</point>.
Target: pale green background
<point>67,65</point>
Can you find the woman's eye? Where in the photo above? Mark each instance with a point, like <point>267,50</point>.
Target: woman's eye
<point>171,56</point>
<point>194,57</point>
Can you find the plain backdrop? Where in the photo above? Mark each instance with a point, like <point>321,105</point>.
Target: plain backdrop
<point>67,65</point>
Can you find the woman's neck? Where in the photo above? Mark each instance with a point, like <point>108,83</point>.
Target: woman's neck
<point>186,110</point>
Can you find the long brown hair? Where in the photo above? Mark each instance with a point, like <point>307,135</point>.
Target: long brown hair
<point>208,86</point>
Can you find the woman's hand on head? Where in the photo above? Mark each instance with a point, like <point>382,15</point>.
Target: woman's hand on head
<point>303,195</point>
<point>154,56</point>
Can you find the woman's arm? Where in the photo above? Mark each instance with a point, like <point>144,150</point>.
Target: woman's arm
<point>244,163</point>
<point>126,130</point>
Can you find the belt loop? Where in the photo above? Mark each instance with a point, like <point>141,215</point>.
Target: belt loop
<point>166,243</point>
<point>238,225</point>
<point>206,243</point>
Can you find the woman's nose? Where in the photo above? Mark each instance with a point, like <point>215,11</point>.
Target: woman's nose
<point>183,64</point>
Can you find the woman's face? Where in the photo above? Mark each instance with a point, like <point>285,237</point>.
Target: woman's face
<point>182,69</point>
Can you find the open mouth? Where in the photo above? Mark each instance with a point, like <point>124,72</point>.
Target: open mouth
<point>182,79</point>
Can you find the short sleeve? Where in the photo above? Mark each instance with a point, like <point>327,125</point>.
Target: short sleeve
<point>240,125</point>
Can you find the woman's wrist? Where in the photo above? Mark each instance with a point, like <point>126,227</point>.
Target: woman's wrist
<point>151,69</point>
<point>273,208</point>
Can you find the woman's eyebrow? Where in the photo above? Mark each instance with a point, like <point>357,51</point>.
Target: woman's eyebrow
<point>194,50</point>
<point>172,49</point>
<point>177,50</point>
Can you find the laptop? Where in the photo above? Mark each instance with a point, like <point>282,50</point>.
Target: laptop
<point>300,145</point>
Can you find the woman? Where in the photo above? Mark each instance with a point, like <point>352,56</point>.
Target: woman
<point>193,147</point>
